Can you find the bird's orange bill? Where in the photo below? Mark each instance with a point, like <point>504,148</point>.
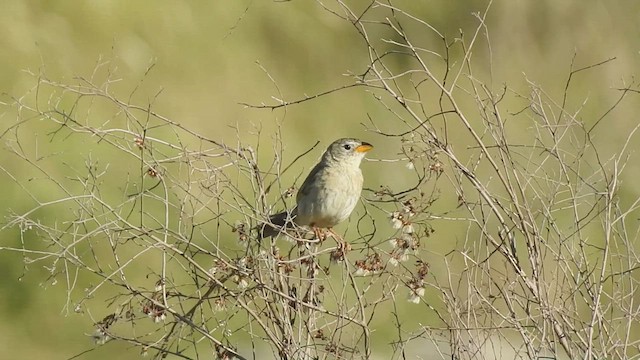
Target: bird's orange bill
<point>364,147</point>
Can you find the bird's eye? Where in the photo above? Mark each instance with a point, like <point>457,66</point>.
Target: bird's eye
<point>347,146</point>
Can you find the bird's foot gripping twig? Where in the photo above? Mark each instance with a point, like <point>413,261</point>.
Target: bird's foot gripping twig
<point>319,233</point>
<point>342,249</point>
<point>340,252</point>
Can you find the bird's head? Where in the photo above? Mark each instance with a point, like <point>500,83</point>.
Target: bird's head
<point>347,150</point>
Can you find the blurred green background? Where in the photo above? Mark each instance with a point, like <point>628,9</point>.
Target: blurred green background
<point>210,56</point>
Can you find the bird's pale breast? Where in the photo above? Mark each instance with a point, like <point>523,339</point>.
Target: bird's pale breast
<point>332,197</point>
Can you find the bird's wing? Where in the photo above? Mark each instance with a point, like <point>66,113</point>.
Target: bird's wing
<point>305,189</point>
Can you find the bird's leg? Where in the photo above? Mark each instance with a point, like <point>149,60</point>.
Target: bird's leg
<point>342,244</point>
<point>341,250</point>
<point>319,233</point>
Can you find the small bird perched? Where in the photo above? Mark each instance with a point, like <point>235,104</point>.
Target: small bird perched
<point>329,193</point>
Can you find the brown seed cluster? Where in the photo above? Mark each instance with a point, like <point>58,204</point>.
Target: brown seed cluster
<point>241,229</point>
<point>417,284</point>
<point>101,334</point>
<point>152,309</point>
<point>372,264</point>
<point>139,141</point>
<point>340,252</point>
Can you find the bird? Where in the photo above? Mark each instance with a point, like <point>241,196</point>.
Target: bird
<point>329,193</point>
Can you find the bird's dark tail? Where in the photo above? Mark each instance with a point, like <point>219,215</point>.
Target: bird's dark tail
<point>276,225</point>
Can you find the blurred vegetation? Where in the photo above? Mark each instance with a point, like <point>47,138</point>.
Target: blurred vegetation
<point>196,62</point>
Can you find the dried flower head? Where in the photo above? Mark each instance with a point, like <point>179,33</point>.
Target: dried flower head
<point>241,229</point>
<point>401,219</point>
<point>408,228</point>
<point>397,220</point>
<point>311,266</point>
<point>100,334</point>
<point>403,246</point>
<point>437,167</point>
<point>340,252</point>
<point>223,353</point>
<point>416,290</point>
<point>331,348</point>
<point>286,267</point>
<point>152,309</point>
<point>422,269</point>
<point>370,265</point>
<point>139,141</point>
<point>155,312</point>
<point>408,208</point>
<point>415,295</point>
<point>290,192</point>
<point>159,285</point>
<point>220,305</point>
<point>241,281</point>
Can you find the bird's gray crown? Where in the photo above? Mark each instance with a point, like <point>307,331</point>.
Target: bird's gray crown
<point>346,148</point>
